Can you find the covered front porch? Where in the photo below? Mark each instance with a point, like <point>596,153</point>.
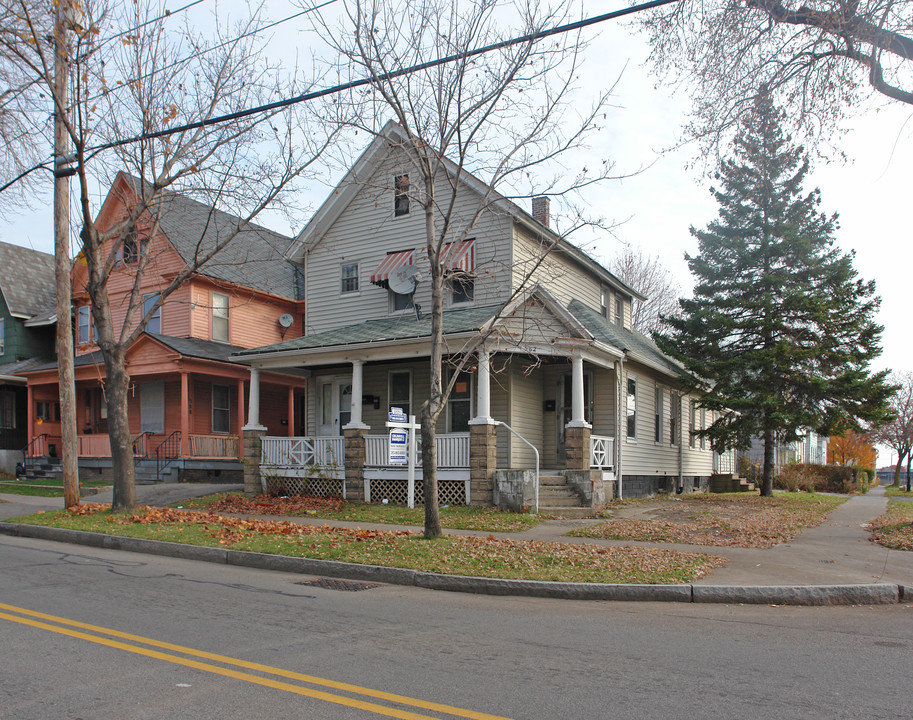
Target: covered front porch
<point>514,408</point>
<point>185,411</point>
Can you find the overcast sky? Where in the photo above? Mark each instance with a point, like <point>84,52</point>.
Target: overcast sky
<point>871,193</point>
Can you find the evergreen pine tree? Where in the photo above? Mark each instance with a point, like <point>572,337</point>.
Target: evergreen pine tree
<point>780,329</point>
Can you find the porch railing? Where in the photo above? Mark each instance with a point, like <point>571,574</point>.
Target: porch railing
<point>93,445</point>
<point>167,451</point>
<point>602,452</point>
<point>37,447</point>
<point>303,452</point>
<point>141,444</point>
<point>452,450</point>
<point>215,446</point>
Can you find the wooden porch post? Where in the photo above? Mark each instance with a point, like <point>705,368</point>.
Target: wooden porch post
<point>185,413</point>
<point>240,417</point>
<point>291,411</point>
<point>30,413</point>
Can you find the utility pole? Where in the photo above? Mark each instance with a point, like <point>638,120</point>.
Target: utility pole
<point>62,173</point>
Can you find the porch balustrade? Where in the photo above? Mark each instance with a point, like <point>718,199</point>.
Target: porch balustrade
<point>93,446</point>
<point>602,452</point>
<point>318,453</point>
<point>452,450</point>
<point>215,446</point>
<point>725,463</point>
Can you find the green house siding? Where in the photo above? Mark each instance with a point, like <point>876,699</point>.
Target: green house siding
<point>20,342</point>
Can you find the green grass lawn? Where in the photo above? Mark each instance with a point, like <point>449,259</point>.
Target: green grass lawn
<point>45,487</point>
<point>901,491</point>
<point>458,517</point>
<point>480,557</point>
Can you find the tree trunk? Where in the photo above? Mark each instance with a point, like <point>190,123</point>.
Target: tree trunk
<point>429,471</point>
<point>117,383</point>
<point>767,474</point>
<point>909,457</point>
<point>897,470</point>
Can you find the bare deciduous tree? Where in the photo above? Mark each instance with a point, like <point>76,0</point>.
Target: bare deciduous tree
<point>648,276</point>
<point>898,434</point>
<point>142,94</point>
<point>503,116</point>
<point>816,58</point>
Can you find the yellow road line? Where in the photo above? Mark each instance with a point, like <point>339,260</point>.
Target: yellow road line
<point>318,694</point>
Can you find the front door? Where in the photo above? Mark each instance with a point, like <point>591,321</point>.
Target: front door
<point>334,405</point>
<point>565,408</point>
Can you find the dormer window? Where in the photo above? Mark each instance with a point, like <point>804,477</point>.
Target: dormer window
<point>400,195</point>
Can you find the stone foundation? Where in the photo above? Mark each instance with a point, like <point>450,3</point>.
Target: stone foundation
<point>577,448</point>
<point>252,483</point>
<point>355,455</point>
<point>514,490</point>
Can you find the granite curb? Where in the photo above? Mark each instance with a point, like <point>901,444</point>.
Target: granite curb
<point>869,594</point>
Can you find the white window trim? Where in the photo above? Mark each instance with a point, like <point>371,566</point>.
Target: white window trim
<point>659,392</point>
<point>158,311</point>
<point>212,314</point>
<point>357,290</point>
<point>631,438</point>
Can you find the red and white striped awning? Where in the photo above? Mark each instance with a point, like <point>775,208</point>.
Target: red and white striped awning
<point>389,264</point>
<point>464,259</point>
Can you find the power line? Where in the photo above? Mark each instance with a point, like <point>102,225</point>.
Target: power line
<point>288,102</point>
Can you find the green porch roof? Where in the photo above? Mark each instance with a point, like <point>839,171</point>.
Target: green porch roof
<point>401,327</point>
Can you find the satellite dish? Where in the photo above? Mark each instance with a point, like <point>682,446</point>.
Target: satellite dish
<point>286,320</point>
<point>404,279</point>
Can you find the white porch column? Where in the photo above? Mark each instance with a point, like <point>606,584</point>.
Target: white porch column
<point>483,391</point>
<point>253,402</point>
<point>355,421</point>
<point>577,413</point>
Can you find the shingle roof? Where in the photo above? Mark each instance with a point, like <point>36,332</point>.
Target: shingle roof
<point>26,279</point>
<point>197,348</point>
<point>255,258</point>
<point>638,345</point>
<point>401,327</point>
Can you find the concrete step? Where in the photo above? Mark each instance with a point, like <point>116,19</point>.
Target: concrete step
<point>558,501</point>
<point>566,512</point>
<point>550,480</point>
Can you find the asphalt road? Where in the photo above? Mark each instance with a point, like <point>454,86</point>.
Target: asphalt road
<point>404,652</point>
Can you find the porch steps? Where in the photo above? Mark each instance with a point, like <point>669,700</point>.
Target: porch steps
<point>44,468</point>
<point>558,499</point>
<point>144,471</point>
<point>729,483</point>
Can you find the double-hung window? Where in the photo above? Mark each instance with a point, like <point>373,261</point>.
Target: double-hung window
<point>348,278</point>
<point>219,330</point>
<point>658,415</point>
<point>631,408</point>
<point>221,409</point>
<point>154,323</point>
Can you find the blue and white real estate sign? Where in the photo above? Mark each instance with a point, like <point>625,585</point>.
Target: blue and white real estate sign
<point>398,445</point>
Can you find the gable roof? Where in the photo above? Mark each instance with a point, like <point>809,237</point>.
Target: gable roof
<point>255,258</point>
<point>347,189</point>
<point>27,280</point>
<point>637,345</point>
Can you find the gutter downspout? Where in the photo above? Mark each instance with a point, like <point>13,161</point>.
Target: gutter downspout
<point>681,444</point>
<point>619,374</point>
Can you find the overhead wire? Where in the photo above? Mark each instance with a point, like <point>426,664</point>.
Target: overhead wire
<point>343,87</point>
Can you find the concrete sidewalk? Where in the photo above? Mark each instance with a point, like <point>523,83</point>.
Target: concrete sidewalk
<point>836,553</point>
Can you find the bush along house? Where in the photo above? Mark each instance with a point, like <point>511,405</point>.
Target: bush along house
<point>187,398</point>
<point>560,364</point>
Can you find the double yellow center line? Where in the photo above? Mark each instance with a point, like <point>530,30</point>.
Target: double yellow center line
<point>227,668</point>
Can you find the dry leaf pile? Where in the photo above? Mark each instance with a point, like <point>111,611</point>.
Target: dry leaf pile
<point>269,505</point>
<point>894,529</point>
<point>720,521</point>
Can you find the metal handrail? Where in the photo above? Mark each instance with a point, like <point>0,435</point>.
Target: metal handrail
<point>535,450</point>
<point>27,450</point>
<point>166,452</point>
<point>141,444</point>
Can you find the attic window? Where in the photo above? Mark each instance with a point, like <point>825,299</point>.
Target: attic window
<point>131,250</point>
<point>400,195</point>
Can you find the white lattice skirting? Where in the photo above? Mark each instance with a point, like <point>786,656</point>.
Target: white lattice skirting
<point>316,487</point>
<point>449,492</point>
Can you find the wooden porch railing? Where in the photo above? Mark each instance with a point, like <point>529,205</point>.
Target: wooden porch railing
<point>93,445</point>
<point>452,450</point>
<point>320,453</point>
<point>215,446</point>
<point>602,452</point>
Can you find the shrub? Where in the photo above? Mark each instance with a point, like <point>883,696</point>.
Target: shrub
<point>823,478</point>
